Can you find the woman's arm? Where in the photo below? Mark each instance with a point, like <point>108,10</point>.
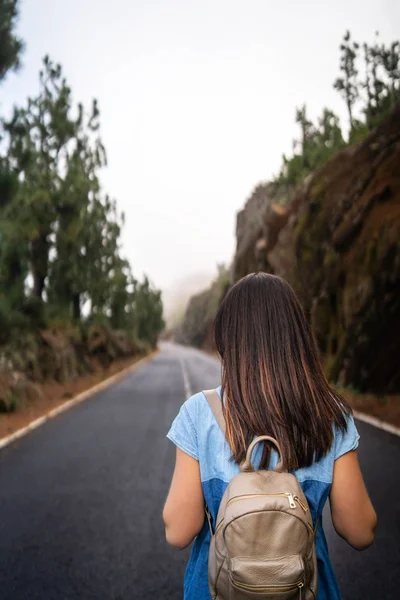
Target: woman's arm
<point>184,509</point>
<point>353,515</point>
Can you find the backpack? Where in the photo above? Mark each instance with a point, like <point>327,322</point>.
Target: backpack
<point>263,542</point>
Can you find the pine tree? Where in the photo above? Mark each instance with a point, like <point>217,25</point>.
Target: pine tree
<point>382,80</point>
<point>328,138</point>
<point>367,82</point>
<point>378,85</point>
<point>11,45</point>
<point>347,85</point>
<point>38,136</point>
<point>79,192</point>
<point>307,135</point>
<point>390,58</point>
<point>60,235</point>
<point>148,309</point>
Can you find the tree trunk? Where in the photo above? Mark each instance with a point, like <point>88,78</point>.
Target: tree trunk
<point>350,114</point>
<point>39,256</point>
<point>38,285</point>
<point>76,303</point>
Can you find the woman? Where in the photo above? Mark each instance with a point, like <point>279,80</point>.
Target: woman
<point>272,384</point>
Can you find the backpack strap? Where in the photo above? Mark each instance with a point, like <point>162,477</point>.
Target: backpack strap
<point>215,404</point>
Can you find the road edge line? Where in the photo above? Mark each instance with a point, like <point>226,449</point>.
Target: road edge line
<point>186,382</point>
<point>375,422</point>
<point>86,394</point>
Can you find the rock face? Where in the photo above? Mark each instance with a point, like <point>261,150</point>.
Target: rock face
<point>254,235</point>
<point>337,242</point>
<point>197,325</point>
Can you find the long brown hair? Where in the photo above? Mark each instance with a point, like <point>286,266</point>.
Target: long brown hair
<point>272,377</point>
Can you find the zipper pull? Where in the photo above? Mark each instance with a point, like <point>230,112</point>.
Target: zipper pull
<point>303,506</point>
<point>300,586</point>
<point>290,498</point>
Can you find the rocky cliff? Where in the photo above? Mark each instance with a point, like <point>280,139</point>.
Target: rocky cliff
<point>196,328</point>
<point>337,242</point>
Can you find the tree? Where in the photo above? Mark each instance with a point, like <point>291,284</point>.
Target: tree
<point>148,309</point>
<point>317,143</point>
<point>294,169</point>
<point>380,90</point>
<point>307,136</point>
<point>11,45</point>
<point>391,63</point>
<point>121,289</point>
<point>376,85</point>
<point>367,83</point>
<point>347,85</point>
<point>328,138</point>
<point>59,233</point>
<point>38,136</point>
<point>56,154</point>
<point>12,259</point>
<point>71,231</point>
<point>382,80</point>
<point>83,218</point>
<point>100,239</point>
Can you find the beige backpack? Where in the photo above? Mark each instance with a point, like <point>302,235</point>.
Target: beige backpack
<point>263,545</point>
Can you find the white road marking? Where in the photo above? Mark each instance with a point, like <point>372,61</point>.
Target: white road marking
<point>377,423</point>
<point>186,382</point>
<point>70,403</point>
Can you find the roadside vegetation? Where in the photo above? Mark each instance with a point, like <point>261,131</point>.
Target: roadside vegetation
<point>67,292</point>
<point>369,83</point>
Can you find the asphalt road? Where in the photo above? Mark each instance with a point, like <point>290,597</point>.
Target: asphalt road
<point>81,497</point>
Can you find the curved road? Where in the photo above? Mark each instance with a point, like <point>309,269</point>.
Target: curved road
<point>81,497</point>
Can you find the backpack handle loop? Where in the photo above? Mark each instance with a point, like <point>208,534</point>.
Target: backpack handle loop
<point>248,467</point>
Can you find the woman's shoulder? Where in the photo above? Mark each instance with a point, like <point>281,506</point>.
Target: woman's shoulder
<point>343,441</point>
<point>191,424</point>
<point>197,405</point>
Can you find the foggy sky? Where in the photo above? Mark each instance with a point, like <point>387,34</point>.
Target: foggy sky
<point>197,101</point>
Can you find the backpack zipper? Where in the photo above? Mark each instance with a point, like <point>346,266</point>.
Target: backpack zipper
<point>291,499</point>
<point>303,506</point>
<point>280,588</point>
